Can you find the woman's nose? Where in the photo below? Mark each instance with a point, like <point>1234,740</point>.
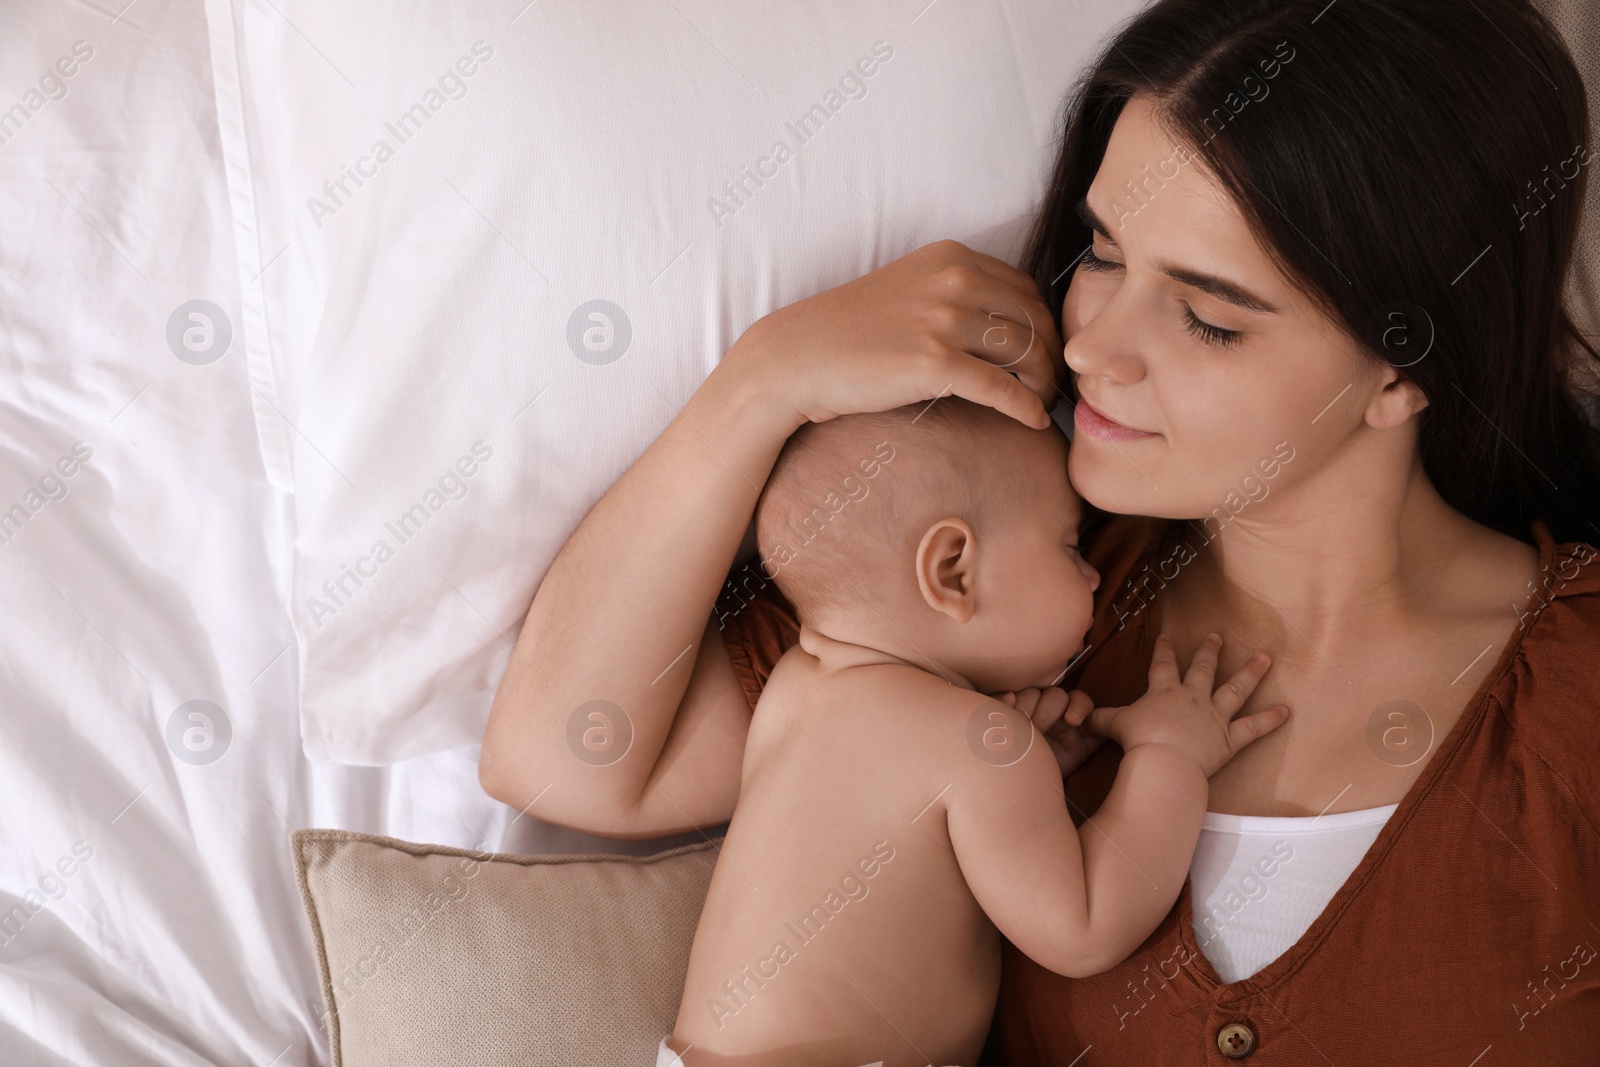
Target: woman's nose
<point>1111,359</point>
<point>1105,343</point>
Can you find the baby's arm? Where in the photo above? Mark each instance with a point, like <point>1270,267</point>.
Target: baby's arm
<point>1080,905</point>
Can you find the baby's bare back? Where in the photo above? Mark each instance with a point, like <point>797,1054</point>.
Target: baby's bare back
<point>838,927</point>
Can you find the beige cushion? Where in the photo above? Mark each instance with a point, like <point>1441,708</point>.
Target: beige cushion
<point>433,955</point>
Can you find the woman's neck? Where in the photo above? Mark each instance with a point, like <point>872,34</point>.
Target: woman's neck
<point>1329,557</point>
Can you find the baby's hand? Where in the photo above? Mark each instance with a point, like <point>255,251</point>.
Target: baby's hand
<point>1057,713</point>
<point>1185,713</point>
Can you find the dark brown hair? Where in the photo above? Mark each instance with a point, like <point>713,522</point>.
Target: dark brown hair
<point>1417,167</point>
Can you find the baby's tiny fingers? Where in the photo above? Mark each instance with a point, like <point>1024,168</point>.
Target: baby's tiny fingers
<point>1101,722</point>
<point>1052,704</point>
<point>1237,689</point>
<point>1072,748</point>
<point>1079,706</point>
<point>1164,662</point>
<point>1249,728</point>
<point>1026,700</point>
<point>1203,667</point>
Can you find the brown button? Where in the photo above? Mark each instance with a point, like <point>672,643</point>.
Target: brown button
<point>1236,1040</point>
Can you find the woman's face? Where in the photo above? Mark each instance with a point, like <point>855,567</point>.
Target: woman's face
<point>1178,324</point>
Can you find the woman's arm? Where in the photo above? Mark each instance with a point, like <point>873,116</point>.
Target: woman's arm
<point>621,616</point>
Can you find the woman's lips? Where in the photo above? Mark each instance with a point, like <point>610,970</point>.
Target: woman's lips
<point>1092,422</point>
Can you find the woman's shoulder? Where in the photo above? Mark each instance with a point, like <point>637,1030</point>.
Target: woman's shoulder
<point>1560,621</point>
<point>1549,697</point>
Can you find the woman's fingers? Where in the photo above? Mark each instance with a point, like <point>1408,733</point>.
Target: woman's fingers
<point>1018,335</point>
<point>1003,321</point>
<point>947,254</point>
<point>998,269</point>
<point>941,320</point>
<point>1035,311</point>
<point>983,383</point>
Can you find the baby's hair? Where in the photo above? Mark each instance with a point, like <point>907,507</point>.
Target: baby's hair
<point>848,498</point>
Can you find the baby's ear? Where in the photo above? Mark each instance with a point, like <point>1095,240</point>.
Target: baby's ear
<point>946,566</point>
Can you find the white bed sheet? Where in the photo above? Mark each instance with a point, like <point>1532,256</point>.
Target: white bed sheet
<point>148,913</point>
<point>177,938</point>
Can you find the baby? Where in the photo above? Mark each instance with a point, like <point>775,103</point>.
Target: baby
<point>893,820</point>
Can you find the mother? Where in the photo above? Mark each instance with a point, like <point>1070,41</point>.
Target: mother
<point>1308,262</point>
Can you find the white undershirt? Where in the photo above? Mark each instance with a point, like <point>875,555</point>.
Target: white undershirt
<point>1258,883</point>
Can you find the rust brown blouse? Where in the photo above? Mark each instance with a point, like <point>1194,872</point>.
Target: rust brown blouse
<point>1468,934</point>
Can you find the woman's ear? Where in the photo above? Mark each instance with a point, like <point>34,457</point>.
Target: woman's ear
<point>946,567</point>
<point>1396,400</point>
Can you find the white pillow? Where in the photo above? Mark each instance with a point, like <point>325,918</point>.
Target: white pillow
<point>456,210</point>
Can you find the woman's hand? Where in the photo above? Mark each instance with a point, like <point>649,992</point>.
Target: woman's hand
<point>1057,714</point>
<point>942,320</point>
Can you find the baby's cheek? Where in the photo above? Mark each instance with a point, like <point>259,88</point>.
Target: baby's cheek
<point>1065,606</point>
<point>1079,607</point>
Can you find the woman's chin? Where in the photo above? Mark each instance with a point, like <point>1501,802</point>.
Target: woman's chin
<point>1113,483</point>
<point>1105,479</point>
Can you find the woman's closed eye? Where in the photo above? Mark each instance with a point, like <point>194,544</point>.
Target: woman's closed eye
<point>1207,332</point>
<point>1211,335</point>
<point>1092,262</point>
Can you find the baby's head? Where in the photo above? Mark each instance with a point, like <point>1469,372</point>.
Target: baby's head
<point>943,531</point>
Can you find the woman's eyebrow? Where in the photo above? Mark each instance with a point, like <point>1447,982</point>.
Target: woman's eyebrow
<point>1087,216</point>
<point>1220,288</point>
